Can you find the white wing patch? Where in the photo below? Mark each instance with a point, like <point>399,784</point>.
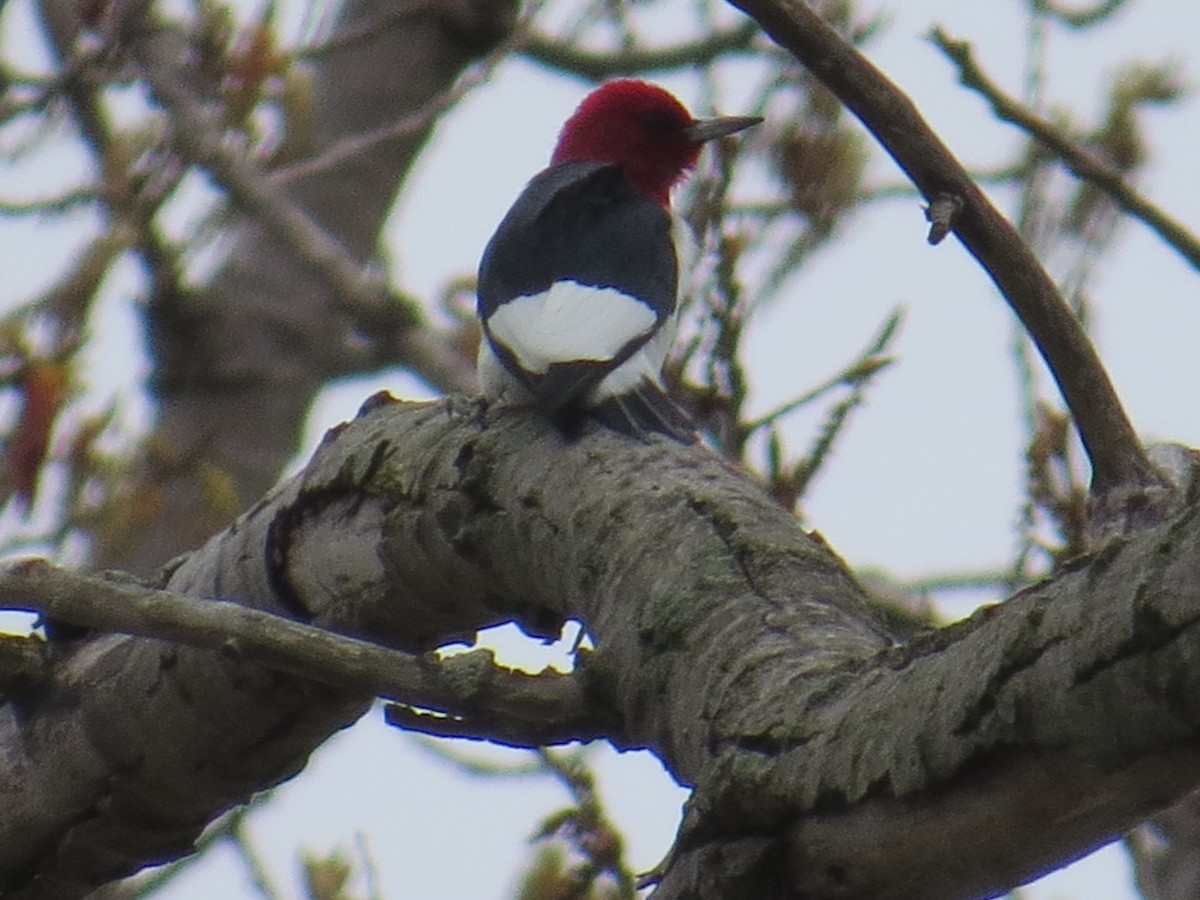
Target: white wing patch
<point>570,322</point>
<point>644,365</point>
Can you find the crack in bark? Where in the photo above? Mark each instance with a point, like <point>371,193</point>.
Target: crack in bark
<point>726,528</point>
<point>1150,631</point>
<point>1023,651</point>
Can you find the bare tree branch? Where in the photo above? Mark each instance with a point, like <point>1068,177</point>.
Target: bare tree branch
<point>595,65</point>
<point>1078,18</point>
<point>418,120</point>
<point>48,206</point>
<point>199,135</point>
<point>358,290</point>
<point>464,686</point>
<point>826,759</point>
<point>238,360</point>
<point>1120,467</point>
<point>1082,163</point>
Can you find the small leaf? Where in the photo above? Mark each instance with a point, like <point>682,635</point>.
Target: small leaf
<point>43,389</point>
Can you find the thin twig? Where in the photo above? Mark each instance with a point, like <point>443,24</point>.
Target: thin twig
<point>1119,463</point>
<point>1079,161</point>
<point>997,580</point>
<point>596,65</point>
<point>76,62</point>
<point>197,134</point>
<point>51,206</point>
<point>82,68</point>
<point>256,868</point>
<point>476,766</point>
<point>418,120</point>
<point>369,867</point>
<point>865,366</point>
<point>587,825</point>
<point>1078,18</point>
<point>355,145</point>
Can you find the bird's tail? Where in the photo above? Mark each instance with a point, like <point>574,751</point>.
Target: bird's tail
<point>644,410</point>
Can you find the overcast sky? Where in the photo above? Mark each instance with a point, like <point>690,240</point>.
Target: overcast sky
<point>926,480</point>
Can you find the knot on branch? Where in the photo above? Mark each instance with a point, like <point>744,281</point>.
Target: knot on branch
<point>942,214</point>
<point>1132,506</point>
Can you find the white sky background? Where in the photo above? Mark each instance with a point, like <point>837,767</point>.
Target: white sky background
<point>927,478</point>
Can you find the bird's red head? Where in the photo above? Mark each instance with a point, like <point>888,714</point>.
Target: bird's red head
<point>643,129</point>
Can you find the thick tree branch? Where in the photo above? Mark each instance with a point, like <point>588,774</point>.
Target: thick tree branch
<point>1120,467</point>
<point>1079,161</point>
<point>826,760</point>
<point>477,695</point>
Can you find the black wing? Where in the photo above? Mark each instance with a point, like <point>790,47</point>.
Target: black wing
<point>582,222</point>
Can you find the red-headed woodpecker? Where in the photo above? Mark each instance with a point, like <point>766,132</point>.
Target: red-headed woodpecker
<point>578,288</point>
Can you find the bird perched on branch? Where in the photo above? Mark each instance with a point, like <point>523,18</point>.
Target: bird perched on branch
<point>579,286</point>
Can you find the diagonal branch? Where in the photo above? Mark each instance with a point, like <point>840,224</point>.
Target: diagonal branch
<point>197,134</point>
<point>1119,463</point>
<point>418,120</point>
<point>234,408</point>
<point>1083,164</point>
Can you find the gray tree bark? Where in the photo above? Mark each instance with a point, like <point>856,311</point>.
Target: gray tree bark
<point>825,760</point>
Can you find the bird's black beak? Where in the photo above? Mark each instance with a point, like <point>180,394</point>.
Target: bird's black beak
<point>703,130</point>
